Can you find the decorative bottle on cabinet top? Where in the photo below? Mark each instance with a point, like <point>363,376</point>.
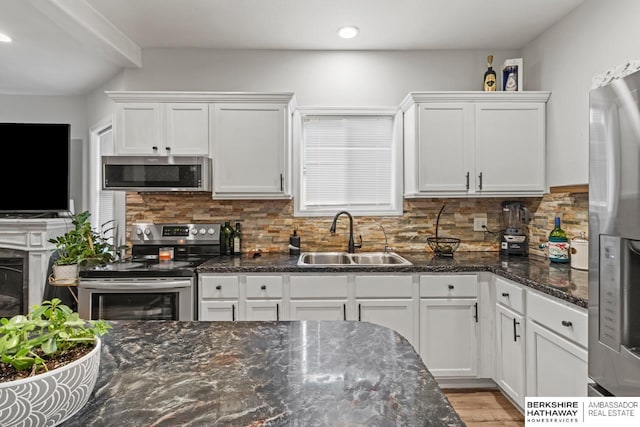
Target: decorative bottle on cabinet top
<point>489,81</point>
<point>558,244</point>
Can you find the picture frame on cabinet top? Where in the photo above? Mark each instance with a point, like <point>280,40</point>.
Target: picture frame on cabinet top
<point>512,75</point>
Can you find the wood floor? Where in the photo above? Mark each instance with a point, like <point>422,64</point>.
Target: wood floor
<point>484,408</point>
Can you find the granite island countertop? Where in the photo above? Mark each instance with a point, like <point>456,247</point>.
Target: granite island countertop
<point>303,373</point>
<point>558,280</point>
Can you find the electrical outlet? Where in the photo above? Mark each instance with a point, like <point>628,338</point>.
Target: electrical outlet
<point>479,223</point>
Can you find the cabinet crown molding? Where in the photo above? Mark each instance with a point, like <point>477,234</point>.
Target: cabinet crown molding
<point>472,96</point>
<point>180,96</point>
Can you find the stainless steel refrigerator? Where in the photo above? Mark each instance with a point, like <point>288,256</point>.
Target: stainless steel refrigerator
<point>614,233</point>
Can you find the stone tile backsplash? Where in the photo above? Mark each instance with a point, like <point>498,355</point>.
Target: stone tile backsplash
<point>267,224</point>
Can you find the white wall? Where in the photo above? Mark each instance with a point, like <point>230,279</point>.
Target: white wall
<point>595,37</point>
<point>318,78</point>
<point>54,109</point>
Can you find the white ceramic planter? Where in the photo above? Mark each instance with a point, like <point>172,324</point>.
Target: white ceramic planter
<point>63,274</point>
<point>49,399</point>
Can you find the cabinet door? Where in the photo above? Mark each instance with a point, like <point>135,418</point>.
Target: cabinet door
<point>510,336</point>
<point>218,311</point>
<point>396,314</point>
<point>187,129</point>
<point>249,149</point>
<point>263,310</point>
<point>318,310</point>
<point>555,366</point>
<point>138,129</point>
<point>510,147</point>
<point>449,336</point>
<point>445,147</point>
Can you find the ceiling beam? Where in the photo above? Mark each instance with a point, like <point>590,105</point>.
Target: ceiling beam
<point>93,30</point>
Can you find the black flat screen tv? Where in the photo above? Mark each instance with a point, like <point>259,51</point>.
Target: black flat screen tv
<point>34,169</point>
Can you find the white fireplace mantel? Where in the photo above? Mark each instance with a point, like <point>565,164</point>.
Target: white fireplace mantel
<point>32,236</point>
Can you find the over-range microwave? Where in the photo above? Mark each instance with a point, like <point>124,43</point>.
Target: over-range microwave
<point>156,173</point>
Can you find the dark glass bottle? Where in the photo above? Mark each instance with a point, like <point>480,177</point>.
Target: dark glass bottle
<point>489,81</point>
<point>558,244</point>
<point>237,240</point>
<point>226,239</point>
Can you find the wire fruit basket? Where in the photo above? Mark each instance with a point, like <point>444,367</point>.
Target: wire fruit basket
<point>442,246</point>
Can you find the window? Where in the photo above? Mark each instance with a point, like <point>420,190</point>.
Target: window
<point>348,160</point>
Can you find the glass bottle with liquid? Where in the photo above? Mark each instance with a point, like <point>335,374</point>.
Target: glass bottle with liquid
<point>558,244</point>
<point>226,239</point>
<point>237,240</point>
<point>489,81</point>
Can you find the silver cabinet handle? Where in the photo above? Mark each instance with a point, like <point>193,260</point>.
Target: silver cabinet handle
<point>515,332</point>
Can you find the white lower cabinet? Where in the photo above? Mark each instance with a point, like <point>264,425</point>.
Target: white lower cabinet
<point>387,301</point>
<point>510,339</point>
<point>533,344</point>
<point>510,357</point>
<point>263,298</point>
<point>218,297</point>
<point>322,297</point>
<point>449,324</point>
<point>556,348</point>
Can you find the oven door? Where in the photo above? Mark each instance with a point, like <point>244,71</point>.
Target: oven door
<point>136,299</point>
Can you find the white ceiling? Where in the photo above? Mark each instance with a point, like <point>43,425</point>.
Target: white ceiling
<point>72,46</point>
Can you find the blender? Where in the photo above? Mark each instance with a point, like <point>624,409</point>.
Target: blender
<point>513,239</point>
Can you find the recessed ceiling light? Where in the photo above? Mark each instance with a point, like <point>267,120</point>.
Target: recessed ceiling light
<point>5,38</point>
<point>348,32</point>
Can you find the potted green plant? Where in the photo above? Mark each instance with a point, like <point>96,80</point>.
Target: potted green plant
<point>81,245</point>
<point>49,361</point>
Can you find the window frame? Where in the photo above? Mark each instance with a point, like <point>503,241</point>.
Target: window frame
<point>396,206</point>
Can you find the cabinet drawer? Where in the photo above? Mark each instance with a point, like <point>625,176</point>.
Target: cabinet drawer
<point>510,295</point>
<point>318,286</point>
<point>566,321</point>
<point>219,287</point>
<point>264,287</point>
<point>383,286</point>
<point>449,286</point>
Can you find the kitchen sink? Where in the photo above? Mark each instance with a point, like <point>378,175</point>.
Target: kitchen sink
<point>320,259</point>
<point>324,258</point>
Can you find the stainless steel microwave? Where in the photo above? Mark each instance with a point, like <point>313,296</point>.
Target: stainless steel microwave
<point>156,173</point>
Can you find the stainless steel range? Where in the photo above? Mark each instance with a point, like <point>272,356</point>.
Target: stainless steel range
<point>158,283</point>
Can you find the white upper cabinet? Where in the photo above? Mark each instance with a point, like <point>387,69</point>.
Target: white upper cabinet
<point>474,143</point>
<point>155,124</point>
<point>250,147</point>
<point>187,128</point>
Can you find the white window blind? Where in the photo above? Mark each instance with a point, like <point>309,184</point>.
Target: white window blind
<point>348,162</point>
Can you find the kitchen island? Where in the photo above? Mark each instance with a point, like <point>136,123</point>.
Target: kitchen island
<point>304,373</point>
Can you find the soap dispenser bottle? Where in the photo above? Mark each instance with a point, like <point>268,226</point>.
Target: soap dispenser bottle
<point>294,243</point>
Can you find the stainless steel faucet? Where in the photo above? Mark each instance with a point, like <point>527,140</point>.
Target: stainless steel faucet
<point>352,245</point>
<point>387,249</point>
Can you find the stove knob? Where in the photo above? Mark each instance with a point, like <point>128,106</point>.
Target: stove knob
<point>211,230</point>
<point>194,231</point>
<point>203,231</point>
<point>147,231</point>
<point>138,231</point>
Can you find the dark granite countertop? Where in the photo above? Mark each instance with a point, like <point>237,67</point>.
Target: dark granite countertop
<point>558,280</point>
<point>305,373</point>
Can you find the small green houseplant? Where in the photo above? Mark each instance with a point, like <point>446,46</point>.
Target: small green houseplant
<point>81,245</point>
<point>49,363</point>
